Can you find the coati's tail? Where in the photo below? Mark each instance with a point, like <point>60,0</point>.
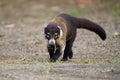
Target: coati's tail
<point>84,23</point>
<point>87,24</point>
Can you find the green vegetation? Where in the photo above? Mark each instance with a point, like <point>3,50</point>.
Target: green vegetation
<point>58,62</point>
<point>97,61</point>
<point>49,65</point>
<point>118,11</point>
<point>74,12</point>
<point>47,69</point>
<point>27,19</point>
<point>117,8</point>
<point>2,22</point>
<point>94,61</point>
<point>26,60</point>
<point>115,51</point>
<point>23,60</point>
<point>117,61</point>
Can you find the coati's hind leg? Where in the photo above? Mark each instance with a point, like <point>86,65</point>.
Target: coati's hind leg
<point>68,51</point>
<point>70,54</point>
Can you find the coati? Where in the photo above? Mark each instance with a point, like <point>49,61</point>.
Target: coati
<point>61,32</point>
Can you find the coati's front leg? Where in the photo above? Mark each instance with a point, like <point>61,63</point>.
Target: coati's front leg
<point>60,46</point>
<point>57,54</point>
<point>51,50</point>
<point>54,52</point>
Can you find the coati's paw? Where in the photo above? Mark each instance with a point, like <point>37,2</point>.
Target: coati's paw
<point>70,56</point>
<point>53,59</point>
<point>64,59</point>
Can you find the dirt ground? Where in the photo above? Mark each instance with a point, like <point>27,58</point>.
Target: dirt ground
<point>23,53</point>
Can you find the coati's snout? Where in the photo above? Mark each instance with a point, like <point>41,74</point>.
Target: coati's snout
<point>51,42</point>
<point>52,33</point>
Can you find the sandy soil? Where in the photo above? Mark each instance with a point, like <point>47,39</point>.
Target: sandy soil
<point>23,53</point>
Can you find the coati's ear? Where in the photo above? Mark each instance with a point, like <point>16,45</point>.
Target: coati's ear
<point>45,30</point>
<point>61,32</point>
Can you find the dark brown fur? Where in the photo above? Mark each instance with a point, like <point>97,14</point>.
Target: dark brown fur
<point>69,24</point>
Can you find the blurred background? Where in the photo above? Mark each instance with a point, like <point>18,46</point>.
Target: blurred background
<point>18,10</point>
<point>22,41</point>
<point>22,24</point>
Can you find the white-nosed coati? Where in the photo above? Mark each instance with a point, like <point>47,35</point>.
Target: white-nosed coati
<point>61,33</point>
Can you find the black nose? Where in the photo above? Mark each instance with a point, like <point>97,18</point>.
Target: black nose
<point>51,43</point>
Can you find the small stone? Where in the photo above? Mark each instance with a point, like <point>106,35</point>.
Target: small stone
<point>10,25</point>
<point>117,34</point>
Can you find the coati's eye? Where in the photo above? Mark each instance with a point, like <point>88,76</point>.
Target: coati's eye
<point>48,36</point>
<point>56,35</point>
